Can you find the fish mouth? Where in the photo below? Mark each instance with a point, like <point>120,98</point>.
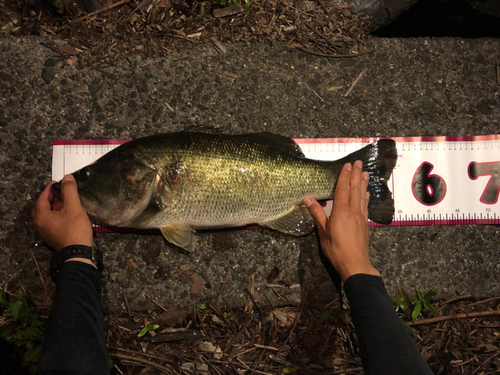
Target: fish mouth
<point>56,191</point>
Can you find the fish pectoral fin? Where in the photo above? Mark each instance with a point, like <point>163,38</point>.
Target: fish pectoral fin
<point>297,222</point>
<point>180,235</point>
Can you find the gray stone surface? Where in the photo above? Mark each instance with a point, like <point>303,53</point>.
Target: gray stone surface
<point>382,12</point>
<point>412,87</point>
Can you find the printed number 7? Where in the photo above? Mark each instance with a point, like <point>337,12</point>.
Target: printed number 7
<point>492,189</point>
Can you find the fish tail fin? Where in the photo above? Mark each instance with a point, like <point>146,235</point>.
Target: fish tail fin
<point>379,159</point>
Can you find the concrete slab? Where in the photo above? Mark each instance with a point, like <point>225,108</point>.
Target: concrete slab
<point>412,87</point>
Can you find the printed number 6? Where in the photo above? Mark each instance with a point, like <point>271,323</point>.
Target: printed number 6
<point>429,189</point>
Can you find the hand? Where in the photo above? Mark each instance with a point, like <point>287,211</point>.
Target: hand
<point>65,223</point>
<point>344,236</point>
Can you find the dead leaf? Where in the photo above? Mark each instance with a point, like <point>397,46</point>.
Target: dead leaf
<point>71,60</point>
<point>171,317</point>
<point>130,263</point>
<point>281,317</point>
<point>207,346</point>
<point>185,271</point>
<point>218,352</point>
<point>198,284</point>
<point>66,49</point>
<point>217,320</point>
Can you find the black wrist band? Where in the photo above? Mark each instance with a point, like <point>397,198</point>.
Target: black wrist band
<point>74,251</point>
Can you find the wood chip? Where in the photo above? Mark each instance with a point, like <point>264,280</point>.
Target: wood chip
<point>231,75</point>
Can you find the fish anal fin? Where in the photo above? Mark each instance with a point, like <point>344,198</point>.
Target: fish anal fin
<point>297,222</point>
<point>180,235</point>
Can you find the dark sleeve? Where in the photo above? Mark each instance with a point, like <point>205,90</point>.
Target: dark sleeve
<point>386,346</point>
<point>75,341</point>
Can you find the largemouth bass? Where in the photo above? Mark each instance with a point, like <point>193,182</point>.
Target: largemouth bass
<point>180,182</point>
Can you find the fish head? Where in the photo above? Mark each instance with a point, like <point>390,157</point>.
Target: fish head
<point>114,191</point>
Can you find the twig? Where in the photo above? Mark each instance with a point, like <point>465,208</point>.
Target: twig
<point>238,334</point>
<point>456,316</point>
<point>99,11</point>
<point>174,336</point>
<point>265,347</point>
<point>144,361</point>
<point>321,36</point>
<point>356,81</point>
<point>335,56</point>
<point>315,93</point>
<point>126,304</point>
<point>498,74</point>
<point>41,277</point>
<point>157,304</point>
<point>455,299</point>
<point>222,286</point>
<point>323,7</point>
<point>143,354</point>
<point>483,301</point>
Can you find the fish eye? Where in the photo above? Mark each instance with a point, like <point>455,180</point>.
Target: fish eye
<point>84,174</point>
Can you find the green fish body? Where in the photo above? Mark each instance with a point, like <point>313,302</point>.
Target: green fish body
<point>179,182</point>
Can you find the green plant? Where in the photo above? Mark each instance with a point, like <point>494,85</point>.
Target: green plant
<point>413,309</point>
<point>23,327</point>
<point>227,317</point>
<point>290,369</point>
<point>201,14</point>
<point>226,3</point>
<point>148,327</point>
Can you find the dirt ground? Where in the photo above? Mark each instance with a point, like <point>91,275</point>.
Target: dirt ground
<point>85,88</point>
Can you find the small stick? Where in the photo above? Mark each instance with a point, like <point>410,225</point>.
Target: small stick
<point>315,93</point>
<point>126,304</point>
<point>169,107</point>
<point>265,347</point>
<point>335,56</point>
<point>157,304</point>
<point>355,82</point>
<point>321,35</point>
<point>222,286</point>
<point>483,301</point>
<point>456,316</point>
<point>41,277</point>
<point>144,361</point>
<point>108,7</point>
<point>151,355</point>
<point>498,73</point>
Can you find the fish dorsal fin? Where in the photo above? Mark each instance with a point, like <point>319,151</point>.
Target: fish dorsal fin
<point>285,143</point>
<point>180,235</point>
<point>297,222</point>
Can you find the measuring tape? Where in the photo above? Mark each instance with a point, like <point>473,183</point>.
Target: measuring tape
<point>436,181</point>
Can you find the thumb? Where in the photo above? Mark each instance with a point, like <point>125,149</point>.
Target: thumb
<point>316,212</point>
<point>69,192</point>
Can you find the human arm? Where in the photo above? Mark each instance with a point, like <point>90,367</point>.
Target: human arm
<point>385,345</point>
<point>75,340</point>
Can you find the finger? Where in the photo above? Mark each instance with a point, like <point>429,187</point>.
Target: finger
<point>43,201</point>
<point>69,192</point>
<point>342,188</point>
<point>365,209</point>
<point>316,212</point>
<point>355,193</point>
<point>365,179</point>
<point>57,205</point>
